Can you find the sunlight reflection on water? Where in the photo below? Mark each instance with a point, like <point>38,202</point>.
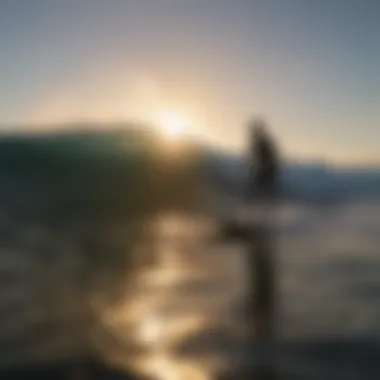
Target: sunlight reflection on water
<point>174,301</point>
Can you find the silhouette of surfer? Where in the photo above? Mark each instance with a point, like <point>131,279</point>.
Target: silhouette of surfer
<point>264,163</point>
<point>263,186</point>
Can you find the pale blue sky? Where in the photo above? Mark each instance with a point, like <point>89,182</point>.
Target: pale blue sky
<point>310,66</point>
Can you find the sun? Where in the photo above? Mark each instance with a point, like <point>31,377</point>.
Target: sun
<point>172,125</point>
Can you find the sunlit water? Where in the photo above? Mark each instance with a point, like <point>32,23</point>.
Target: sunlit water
<point>165,298</point>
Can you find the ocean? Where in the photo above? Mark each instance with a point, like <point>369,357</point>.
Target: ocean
<point>160,294</point>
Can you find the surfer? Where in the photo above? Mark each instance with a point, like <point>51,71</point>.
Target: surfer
<point>263,181</point>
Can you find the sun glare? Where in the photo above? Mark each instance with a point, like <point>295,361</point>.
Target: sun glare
<point>172,125</point>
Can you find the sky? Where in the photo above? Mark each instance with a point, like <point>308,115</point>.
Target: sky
<point>310,67</point>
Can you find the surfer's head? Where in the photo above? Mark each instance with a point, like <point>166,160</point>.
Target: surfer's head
<point>257,127</point>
